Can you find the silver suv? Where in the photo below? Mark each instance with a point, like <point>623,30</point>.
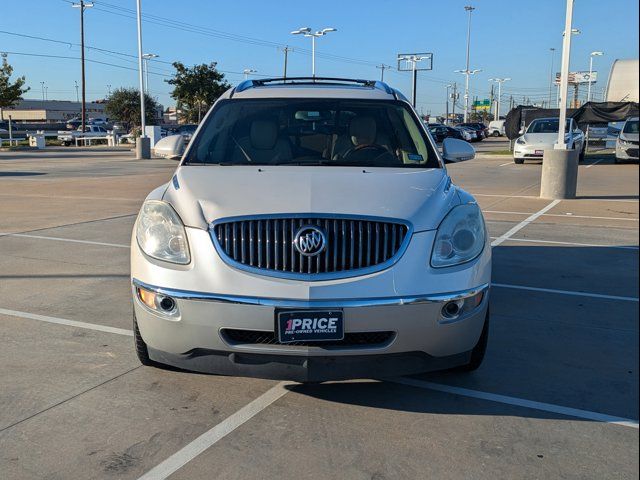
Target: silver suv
<point>311,232</point>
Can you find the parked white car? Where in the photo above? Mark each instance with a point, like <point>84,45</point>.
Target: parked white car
<point>496,128</point>
<point>311,232</point>
<point>627,142</point>
<point>542,134</point>
<point>69,138</point>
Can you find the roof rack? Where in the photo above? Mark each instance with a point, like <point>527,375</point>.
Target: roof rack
<point>247,84</point>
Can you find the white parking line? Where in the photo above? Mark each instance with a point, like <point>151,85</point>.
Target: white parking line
<point>566,292</point>
<point>538,198</point>
<point>523,224</point>
<point>64,321</point>
<point>59,239</point>
<point>211,437</point>
<point>555,242</point>
<point>520,402</point>
<point>505,164</point>
<point>595,163</point>
<point>566,215</point>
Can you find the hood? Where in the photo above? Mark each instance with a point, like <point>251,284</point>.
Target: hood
<point>629,137</point>
<point>202,194</point>
<point>541,138</point>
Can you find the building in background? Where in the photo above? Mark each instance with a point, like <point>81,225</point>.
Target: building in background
<point>623,81</point>
<point>46,111</point>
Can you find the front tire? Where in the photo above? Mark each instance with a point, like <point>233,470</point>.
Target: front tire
<point>478,352</point>
<point>496,134</point>
<point>518,161</point>
<point>141,348</point>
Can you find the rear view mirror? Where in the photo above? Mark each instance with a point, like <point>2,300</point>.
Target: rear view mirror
<point>454,150</point>
<point>170,147</point>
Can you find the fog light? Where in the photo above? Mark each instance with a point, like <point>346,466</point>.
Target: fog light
<point>157,302</point>
<point>452,309</point>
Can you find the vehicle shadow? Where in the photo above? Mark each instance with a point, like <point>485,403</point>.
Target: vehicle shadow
<point>556,346</point>
<point>21,174</point>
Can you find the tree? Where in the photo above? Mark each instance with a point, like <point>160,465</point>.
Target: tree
<point>10,93</point>
<point>195,89</point>
<point>124,106</point>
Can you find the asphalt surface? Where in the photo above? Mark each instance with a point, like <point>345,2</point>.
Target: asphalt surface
<point>557,396</point>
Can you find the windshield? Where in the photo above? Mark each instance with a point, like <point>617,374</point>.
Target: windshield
<point>312,132</point>
<point>547,125</point>
<point>631,126</point>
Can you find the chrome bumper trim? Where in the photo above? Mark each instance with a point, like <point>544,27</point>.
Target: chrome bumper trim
<point>287,302</point>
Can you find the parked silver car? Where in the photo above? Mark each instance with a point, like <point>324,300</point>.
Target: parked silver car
<point>311,232</point>
<point>627,142</point>
<point>542,134</point>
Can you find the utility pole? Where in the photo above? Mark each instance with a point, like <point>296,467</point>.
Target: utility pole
<point>446,117</point>
<point>42,84</point>
<point>82,5</point>
<point>499,81</point>
<point>382,67</point>
<point>553,52</point>
<point>77,97</point>
<point>286,51</point>
<point>454,98</point>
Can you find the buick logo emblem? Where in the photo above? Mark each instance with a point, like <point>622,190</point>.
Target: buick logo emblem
<point>310,241</point>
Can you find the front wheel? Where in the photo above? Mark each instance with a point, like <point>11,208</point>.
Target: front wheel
<point>518,161</point>
<point>496,134</point>
<point>478,352</point>
<point>141,347</point>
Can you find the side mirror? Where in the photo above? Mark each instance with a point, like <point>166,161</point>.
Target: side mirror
<point>454,150</point>
<point>170,147</point>
<point>521,131</point>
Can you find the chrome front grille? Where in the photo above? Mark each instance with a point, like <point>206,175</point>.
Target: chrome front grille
<point>353,246</point>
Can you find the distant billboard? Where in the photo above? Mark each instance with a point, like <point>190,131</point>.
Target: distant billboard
<point>576,78</point>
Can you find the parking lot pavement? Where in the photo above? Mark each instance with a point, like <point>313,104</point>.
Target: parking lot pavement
<point>557,395</point>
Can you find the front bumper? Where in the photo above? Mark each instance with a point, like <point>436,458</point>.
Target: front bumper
<point>423,340</point>
<point>530,151</point>
<point>627,152</point>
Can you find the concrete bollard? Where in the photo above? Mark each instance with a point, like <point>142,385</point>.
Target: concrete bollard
<point>143,148</point>
<point>559,174</point>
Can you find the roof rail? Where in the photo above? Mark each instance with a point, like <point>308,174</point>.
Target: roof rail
<point>247,84</point>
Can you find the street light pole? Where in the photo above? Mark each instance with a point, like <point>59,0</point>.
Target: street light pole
<point>146,57</point>
<point>42,84</point>
<point>593,54</point>
<point>469,9</point>
<point>248,71</point>
<point>499,81</point>
<point>143,146</point>
<point>307,32</point>
<point>82,5</point>
<point>77,98</point>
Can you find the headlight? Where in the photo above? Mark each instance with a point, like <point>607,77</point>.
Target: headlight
<point>520,141</point>
<point>460,237</point>
<point>161,234</point>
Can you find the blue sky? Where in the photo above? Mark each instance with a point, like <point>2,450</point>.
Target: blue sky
<point>509,39</point>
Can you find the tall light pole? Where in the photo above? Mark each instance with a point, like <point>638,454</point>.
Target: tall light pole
<point>307,32</point>
<point>469,9</point>
<point>146,57</point>
<point>42,84</point>
<point>82,6</point>
<point>593,54</point>
<point>467,73</point>
<point>574,31</point>
<point>499,81</point>
<point>553,54</point>
<point>143,146</point>
<point>248,71</point>
<point>77,97</point>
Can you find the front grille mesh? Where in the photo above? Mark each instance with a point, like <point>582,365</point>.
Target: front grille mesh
<point>352,244</point>
<point>351,339</point>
